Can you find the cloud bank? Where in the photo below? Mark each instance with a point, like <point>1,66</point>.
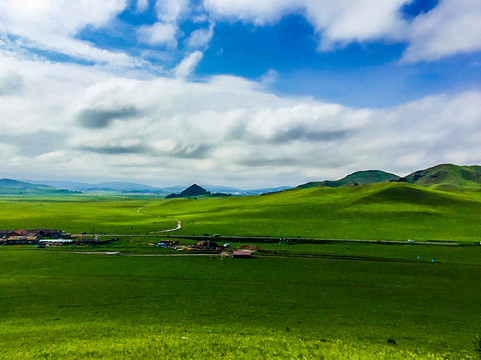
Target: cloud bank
<point>224,129</point>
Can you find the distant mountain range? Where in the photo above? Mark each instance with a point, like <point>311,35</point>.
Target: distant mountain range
<point>134,188</point>
<point>444,176</point>
<point>106,186</point>
<point>15,187</point>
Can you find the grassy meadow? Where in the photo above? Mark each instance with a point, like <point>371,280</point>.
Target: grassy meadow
<point>58,305</point>
<point>390,211</point>
<point>331,301</point>
<point>77,214</point>
<point>379,211</point>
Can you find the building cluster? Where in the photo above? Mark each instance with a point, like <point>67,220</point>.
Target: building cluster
<point>43,237</point>
<point>32,237</point>
<point>245,251</point>
<point>207,245</point>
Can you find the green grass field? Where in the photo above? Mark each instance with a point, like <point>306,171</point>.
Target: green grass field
<point>381,211</point>
<point>390,211</point>
<point>77,214</point>
<point>62,305</point>
<point>331,301</point>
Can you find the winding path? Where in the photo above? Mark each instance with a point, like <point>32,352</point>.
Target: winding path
<point>179,223</point>
<point>179,226</point>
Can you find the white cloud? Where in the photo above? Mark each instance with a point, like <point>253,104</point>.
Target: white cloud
<point>453,27</point>
<point>269,77</point>
<point>258,12</point>
<point>188,64</point>
<point>171,10</point>
<point>53,25</point>
<point>340,22</point>
<point>200,37</point>
<point>64,16</point>
<point>142,5</point>
<point>450,28</point>
<point>226,129</point>
<point>336,22</point>
<point>159,34</point>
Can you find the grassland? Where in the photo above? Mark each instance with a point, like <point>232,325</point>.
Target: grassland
<point>332,301</point>
<point>65,305</point>
<point>76,214</point>
<point>380,211</point>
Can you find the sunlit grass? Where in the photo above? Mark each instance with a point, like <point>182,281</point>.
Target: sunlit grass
<point>62,305</point>
<point>380,211</point>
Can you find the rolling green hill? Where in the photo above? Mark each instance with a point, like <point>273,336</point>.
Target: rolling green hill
<point>381,211</point>
<point>385,211</point>
<point>443,177</point>
<point>356,178</point>
<point>446,176</point>
<point>394,211</point>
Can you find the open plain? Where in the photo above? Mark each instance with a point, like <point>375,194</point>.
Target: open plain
<point>300,300</point>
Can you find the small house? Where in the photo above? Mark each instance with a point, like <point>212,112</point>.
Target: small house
<point>242,254</point>
<point>22,240</point>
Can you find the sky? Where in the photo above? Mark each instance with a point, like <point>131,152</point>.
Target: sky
<point>252,93</point>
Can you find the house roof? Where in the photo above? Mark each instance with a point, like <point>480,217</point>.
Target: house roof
<point>242,253</point>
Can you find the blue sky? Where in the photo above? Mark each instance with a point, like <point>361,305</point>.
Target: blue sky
<point>244,93</point>
<point>358,74</point>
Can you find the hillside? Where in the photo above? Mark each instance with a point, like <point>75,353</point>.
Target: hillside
<point>446,176</point>
<point>15,187</point>
<point>354,179</point>
<point>393,211</point>
<point>396,211</point>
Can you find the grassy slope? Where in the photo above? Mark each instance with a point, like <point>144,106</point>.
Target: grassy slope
<point>77,214</point>
<point>447,176</point>
<point>59,305</point>
<point>392,211</point>
<point>358,177</point>
<point>444,176</point>
<point>380,211</point>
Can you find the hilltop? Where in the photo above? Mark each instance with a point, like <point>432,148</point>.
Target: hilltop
<point>354,179</point>
<point>447,176</point>
<point>444,176</point>
<point>194,191</point>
